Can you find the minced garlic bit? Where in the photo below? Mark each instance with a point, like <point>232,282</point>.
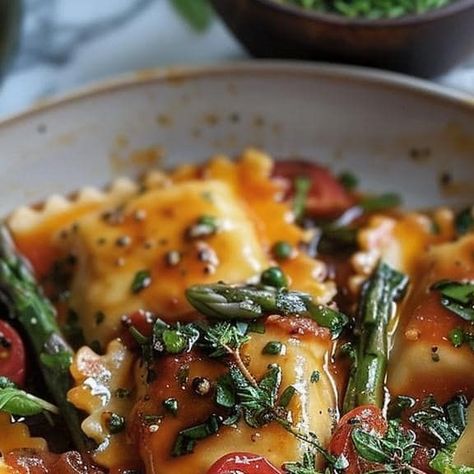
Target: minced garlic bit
<point>412,334</point>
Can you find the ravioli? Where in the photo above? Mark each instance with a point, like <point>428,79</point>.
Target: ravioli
<point>312,409</point>
<point>106,269</point>
<point>423,360</point>
<point>156,233</point>
<point>105,387</point>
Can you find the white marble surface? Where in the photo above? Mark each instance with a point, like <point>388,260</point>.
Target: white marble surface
<point>69,43</point>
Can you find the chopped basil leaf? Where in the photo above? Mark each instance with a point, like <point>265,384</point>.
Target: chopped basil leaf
<point>398,405</point>
<point>302,185</point>
<point>456,336</point>
<point>141,281</point>
<point>198,13</point>
<point>286,396</point>
<point>307,465</point>
<point>315,376</point>
<point>273,348</point>
<point>171,405</point>
<point>464,221</point>
<point>443,423</point>
<point>20,403</point>
<point>395,449</point>
<point>225,392</point>
<point>187,438</point>
<point>458,297</point>
<point>380,203</point>
<point>205,226</point>
<point>348,180</point>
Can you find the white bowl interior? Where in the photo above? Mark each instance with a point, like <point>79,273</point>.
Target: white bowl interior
<point>395,134</point>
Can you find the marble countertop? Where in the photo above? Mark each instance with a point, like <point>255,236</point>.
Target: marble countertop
<point>70,43</point>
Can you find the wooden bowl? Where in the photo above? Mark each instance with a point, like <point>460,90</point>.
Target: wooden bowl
<point>425,45</point>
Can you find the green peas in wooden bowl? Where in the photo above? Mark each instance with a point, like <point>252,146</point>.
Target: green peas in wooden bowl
<point>421,37</point>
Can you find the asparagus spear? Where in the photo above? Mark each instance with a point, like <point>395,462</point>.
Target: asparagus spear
<point>221,301</point>
<point>366,381</point>
<point>38,317</point>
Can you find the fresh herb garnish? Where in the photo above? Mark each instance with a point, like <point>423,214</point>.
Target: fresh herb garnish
<point>305,466</point>
<point>205,226</point>
<point>380,202</point>
<point>464,221</point>
<point>286,396</point>
<point>444,464</point>
<point>398,405</point>
<point>187,438</point>
<point>458,297</point>
<point>394,450</point>
<point>335,238</point>
<point>456,337</point>
<point>301,185</point>
<point>257,400</point>
<point>20,403</point>
<point>273,348</point>
<point>443,423</point>
<point>198,13</point>
<point>141,280</point>
<point>174,339</point>
<point>348,180</point>
<point>460,336</point>
<point>315,376</point>
<point>171,405</point>
<point>223,338</point>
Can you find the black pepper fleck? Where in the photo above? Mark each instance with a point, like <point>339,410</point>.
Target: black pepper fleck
<point>201,386</point>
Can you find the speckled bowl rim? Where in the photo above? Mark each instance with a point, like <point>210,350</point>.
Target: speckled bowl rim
<point>177,74</point>
<point>453,8</point>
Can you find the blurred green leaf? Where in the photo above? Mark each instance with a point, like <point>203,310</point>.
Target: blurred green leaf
<point>198,13</point>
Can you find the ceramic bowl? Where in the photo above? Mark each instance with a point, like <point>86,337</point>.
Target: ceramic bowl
<point>395,133</point>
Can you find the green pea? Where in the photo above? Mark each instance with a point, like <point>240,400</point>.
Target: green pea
<point>274,276</point>
<point>282,250</point>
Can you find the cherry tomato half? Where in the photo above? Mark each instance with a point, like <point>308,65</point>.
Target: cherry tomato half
<point>245,463</point>
<point>367,417</point>
<point>12,354</point>
<point>327,197</point>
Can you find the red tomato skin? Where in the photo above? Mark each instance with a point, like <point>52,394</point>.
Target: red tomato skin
<point>367,417</point>
<point>12,358</point>
<point>245,463</point>
<point>327,197</point>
